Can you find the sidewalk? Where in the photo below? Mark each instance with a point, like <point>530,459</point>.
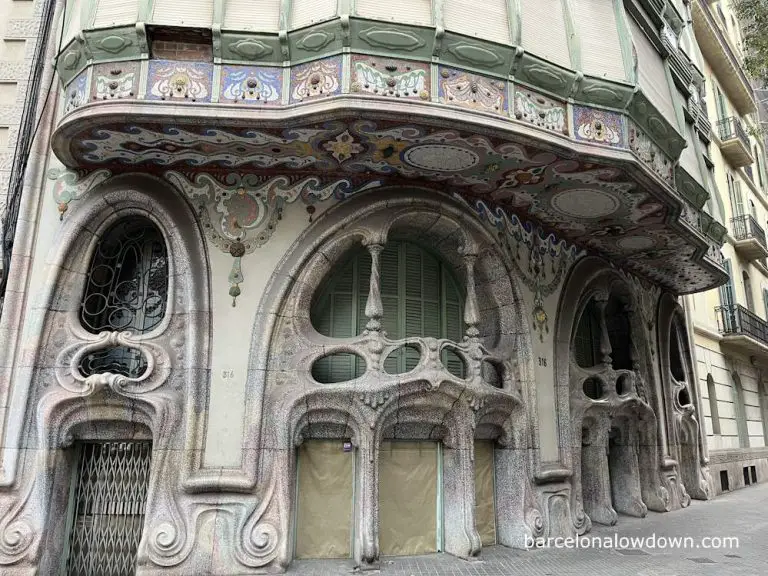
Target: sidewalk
<point>743,514</point>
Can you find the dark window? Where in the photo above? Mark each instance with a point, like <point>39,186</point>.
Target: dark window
<point>714,413</point>
<point>618,325</point>
<point>747,477</point>
<point>724,486</point>
<point>675,354</point>
<point>586,345</point>
<point>127,282</point>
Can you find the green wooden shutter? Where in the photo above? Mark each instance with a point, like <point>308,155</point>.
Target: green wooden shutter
<point>765,302</point>
<point>419,297</point>
<point>726,290</point>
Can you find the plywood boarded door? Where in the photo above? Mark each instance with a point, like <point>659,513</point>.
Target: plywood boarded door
<point>408,498</point>
<point>325,498</point>
<point>485,504</point>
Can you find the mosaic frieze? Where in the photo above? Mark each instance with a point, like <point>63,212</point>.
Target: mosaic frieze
<point>599,126</point>
<point>72,184</point>
<point>76,92</point>
<point>172,80</point>
<point>540,110</point>
<point>115,80</point>
<point>468,90</point>
<point>251,85</point>
<point>386,77</point>
<point>318,79</point>
<point>650,154</point>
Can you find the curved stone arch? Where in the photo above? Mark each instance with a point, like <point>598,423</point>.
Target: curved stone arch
<point>172,401</point>
<point>685,435</point>
<point>455,234</point>
<point>593,277</point>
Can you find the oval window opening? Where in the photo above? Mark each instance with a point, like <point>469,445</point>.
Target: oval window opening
<point>403,359</point>
<point>453,362</point>
<point>129,362</point>
<point>336,368</point>
<point>623,385</point>
<point>593,388</point>
<point>493,374</point>
<point>683,397</point>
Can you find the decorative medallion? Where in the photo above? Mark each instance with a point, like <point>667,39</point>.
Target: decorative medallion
<point>317,79</point>
<point>540,110</point>
<point>650,154</point>
<point>115,80</point>
<point>343,147</point>
<point>171,80</point>
<point>599,126</point>
<point>441,158</point>
<point>585,203</point>
<point>73,184</point>
<point>473,91</point>
<point>386,77</point>
<point>251,85</point>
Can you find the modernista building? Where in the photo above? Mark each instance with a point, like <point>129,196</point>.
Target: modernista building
<point>350,278</point>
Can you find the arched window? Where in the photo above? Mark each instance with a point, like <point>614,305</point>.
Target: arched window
<point>619,330</point>
<point>714,413</point>
<point>127,282</point>
<point>675,353</point>
<point>739,411</point>
<point>587,339</point>
<point>420,297</point>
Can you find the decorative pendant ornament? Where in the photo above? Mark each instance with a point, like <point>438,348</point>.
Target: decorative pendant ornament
<point>237,250</point>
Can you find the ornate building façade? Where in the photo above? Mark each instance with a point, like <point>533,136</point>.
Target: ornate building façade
<point>319,281</point>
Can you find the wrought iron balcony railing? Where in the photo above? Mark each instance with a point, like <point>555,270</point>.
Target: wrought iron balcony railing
<point>730,128</point>
<point>746,227</point>
<point>734,319</point>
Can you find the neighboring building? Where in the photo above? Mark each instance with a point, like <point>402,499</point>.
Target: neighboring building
<point>731,323</point>
<point>19,23</point>
<point>353,279</point>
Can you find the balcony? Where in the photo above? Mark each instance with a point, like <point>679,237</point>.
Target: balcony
<point>734,142</point>
<point>749,237</point>
<point>742,329</point>
<point>725,63</point>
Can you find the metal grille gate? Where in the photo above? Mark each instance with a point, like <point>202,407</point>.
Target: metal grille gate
<point>109,498</point>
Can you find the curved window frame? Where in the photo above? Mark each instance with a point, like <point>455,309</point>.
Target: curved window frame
<point>128,276</point>
<point>400,294</point>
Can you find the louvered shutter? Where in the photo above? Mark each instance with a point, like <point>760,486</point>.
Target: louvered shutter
<point>490,23</point>
<point>196,13</point>
<point>726,290</point>
<point>689,159</point>
<point>765,302</point>
<point>543,30</point>
<point>598,33</point>
<point>407,11</point>
<point>306,12</point>
<point>243,15</point>
<point>115,12</point>
<point>652,73</point>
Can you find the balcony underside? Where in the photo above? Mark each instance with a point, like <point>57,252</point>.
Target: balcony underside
<point>750,249</point>
<point>746,345</point>
<point>736,153</point>
<point>599,197</point>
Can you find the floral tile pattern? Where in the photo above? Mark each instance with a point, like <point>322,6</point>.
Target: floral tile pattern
<point>468,90</point>
<point>115,80</point>
<point>172,80</point>
<point>76,92</point>
<point>599,126</point>
<point>251,85</point>
<point>318,79</point>
<point>387,77</point>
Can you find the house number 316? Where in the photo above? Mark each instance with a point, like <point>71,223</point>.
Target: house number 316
<point>542,361</point>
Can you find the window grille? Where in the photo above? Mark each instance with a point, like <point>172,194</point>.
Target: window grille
<point>127,282</point>
<point>107,507</point>
<point>129,362</point>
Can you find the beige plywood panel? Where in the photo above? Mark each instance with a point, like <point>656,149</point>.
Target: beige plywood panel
<point>408,498</point>
<point>485,506</point>
<point>325,500</point>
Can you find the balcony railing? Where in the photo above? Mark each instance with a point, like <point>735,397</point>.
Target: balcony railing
<point>746,227</point>
<point>734,319</point>
<point>730,128</point>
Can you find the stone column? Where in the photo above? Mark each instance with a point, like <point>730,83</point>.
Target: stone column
<point>366,547</point>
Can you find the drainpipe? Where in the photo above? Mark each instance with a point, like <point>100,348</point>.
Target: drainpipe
<point>21,218</point>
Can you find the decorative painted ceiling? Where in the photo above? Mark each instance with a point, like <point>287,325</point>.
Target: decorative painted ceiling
<point>589,175</point>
